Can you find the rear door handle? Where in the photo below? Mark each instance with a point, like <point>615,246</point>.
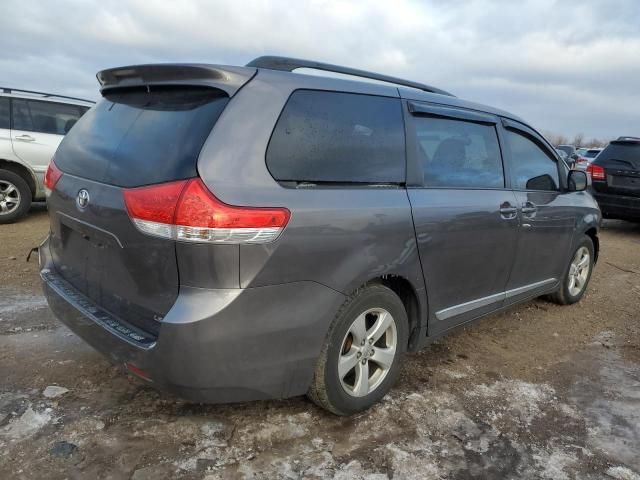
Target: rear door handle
<point>25,138</point>
<point>529,209</point>
<point>508,211</point>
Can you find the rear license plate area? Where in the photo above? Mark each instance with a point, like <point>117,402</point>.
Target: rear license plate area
<point>620,181</point>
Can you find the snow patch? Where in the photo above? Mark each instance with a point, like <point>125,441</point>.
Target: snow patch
<point>454,374</point>
<point>522,399</point>
<point>54,391</point>
<point>29,423</point>
<point>622,473</point>
<point>554,466</point>
<point>20,303</point>
<point>409,466</point>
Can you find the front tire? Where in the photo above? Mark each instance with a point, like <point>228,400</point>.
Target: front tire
<point>577,274</point>
<point>360,360</point>
<point>15,197</point>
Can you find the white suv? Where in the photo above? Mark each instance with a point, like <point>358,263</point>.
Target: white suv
<point>32,125</point>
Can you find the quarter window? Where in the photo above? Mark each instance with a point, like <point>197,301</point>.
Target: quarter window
<point>338,137</point>
<point>531,167</point>
<point>458,154</point>
<point>45,117</point>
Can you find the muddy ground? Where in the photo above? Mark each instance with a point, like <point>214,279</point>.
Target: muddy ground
<point>540,391</point>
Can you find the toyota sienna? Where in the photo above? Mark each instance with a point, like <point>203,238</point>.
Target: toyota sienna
<point>240,233</point>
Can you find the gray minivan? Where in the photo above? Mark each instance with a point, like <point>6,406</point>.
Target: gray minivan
<point>242,233</point>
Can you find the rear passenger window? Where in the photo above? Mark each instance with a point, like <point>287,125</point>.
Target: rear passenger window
<point>21,116</point>
<point>4,112</point>
<point>338,137</point>
<point>45,117</point>
<point>531,167</point>
<point>459,154</point>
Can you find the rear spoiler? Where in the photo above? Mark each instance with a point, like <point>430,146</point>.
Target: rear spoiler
<point>228,79</point>
<point>625,140</point>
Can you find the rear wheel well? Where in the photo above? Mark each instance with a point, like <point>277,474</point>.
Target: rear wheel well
<point>403,288</point>
<point>21,170</point>
<point>592,233</point>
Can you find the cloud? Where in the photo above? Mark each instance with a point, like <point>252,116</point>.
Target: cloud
<point>567,66</point>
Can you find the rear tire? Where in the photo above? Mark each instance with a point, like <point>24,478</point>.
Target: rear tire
<point>367,337</point>
<point>576,278</point>
<point>15,197</point>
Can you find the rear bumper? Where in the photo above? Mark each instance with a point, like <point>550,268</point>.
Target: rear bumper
<point>618,206</point>
<point>214,345</point>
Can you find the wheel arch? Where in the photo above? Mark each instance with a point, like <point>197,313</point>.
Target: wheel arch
<point>592,233</point>
<point>23,172</point>
<point>410,297</point>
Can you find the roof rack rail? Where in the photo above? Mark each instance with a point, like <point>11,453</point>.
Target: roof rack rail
<point>627,138</point>
<point>44,94</point>
<point>288,64</point>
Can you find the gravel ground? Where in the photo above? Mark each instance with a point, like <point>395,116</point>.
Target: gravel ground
<point>540,391</point>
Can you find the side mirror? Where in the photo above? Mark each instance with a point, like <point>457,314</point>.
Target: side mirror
<point>577,181</point>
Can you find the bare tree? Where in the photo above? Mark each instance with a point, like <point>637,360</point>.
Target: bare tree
<point>596,143</point>
<point>578,140</point>
<point>555,138</point>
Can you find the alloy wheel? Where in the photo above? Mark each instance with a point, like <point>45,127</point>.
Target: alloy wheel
<point>367,352</point>
<point>579,271</point>
<point>9,197</point>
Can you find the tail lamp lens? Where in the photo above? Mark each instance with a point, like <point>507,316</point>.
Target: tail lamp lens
<point>596,172</point>
<point>51,177</point>
<point>186,210</point>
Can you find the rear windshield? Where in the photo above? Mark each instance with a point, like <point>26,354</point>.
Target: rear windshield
<point>135,137</point>
<point>627,152</point>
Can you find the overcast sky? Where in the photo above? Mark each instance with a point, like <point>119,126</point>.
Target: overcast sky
<point>565,66</point>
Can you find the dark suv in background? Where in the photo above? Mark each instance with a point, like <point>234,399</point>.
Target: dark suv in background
<point>615,175</point>
<point>240,233</point>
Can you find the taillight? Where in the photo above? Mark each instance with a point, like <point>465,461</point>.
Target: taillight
<point>186,210</point>
<point>596,172</point>
<point>152,208</point>
<point>51,177</point>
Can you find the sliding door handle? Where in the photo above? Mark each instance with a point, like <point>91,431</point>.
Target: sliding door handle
<point>529,208</point>
<point>508,211</point>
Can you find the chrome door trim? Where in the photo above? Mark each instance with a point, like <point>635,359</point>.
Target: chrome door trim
<point>517,291</point>
<point>468,306</point>
<point>495,298</point>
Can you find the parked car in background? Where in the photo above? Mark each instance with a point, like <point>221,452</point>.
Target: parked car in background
<point>615,177</point>
<point>592,153</point>
<point>570,150</point>
<point>237,233</point>
<point>563,155</point>
<point>585,158</point>
<point>32,124</point>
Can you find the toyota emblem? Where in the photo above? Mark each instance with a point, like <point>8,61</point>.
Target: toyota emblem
<point>83,199</point>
